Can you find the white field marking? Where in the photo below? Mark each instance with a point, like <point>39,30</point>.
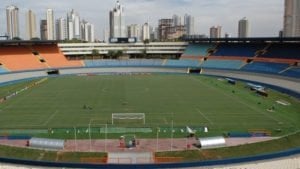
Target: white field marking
<point>247,105</point>
<point>50,118</point>
<point>104,90</point>
<point>282,102</point>
<point>203,115</point>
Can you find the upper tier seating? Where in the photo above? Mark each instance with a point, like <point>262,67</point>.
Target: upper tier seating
<point>115,63</point>
<point>182,63</point>
<point>17,58</point>
<point>54,57</point>
<point>2,70</point>
<point>284,51</point>
<point>197,50</point>
<point>293,72</point>
<point>267,67</point>
<point>237,49</point>
<point>222,64</point>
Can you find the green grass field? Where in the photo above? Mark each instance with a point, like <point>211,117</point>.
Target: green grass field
<point>193,101</point>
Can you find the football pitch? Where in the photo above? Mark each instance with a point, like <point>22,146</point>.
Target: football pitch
<point>166,100</point>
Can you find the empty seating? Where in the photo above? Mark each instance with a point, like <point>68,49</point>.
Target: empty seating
<point>2,70</point>
<point>54,57</point>
<point>17,58</point>
<point>293,72</point>
<point>123,63</point>
<point>222,64</point>
<point>197,50</point>
<point>237,49</point>
<point>182,63</point>
<point>267,67</point>
<point>284,51</point>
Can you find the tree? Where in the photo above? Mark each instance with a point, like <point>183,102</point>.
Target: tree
<point>95,53</point>
<point>119,53</point>
<point>16,38</point>
<point>146,42</point>
<point>113,54</point>
<point>35,38</point>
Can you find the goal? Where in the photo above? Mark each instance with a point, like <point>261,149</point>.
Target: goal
<point>128,117</point>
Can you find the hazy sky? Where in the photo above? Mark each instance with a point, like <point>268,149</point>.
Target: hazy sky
<point>265,16</point>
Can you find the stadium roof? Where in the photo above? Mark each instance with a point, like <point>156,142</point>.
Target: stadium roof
<point>26,42</point>
<point>197,38</point>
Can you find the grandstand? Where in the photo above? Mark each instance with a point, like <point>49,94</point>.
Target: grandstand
<point>124,63</point>
<point>282,50</point>
<point>266,67</point>
<point>222,64</point>
<point>53,57</point>
<point>258,55</point>
<point>17,58</point>
<point>292,72</point>
<point>182,63</point>
<point>197,50</point>
<point>244,49</point>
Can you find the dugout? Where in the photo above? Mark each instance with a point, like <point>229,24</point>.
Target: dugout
<point>262,92</point>
<point>43,143</point>
<point>211,142</point>
<point>194,70</point>
<point>53,72</point>
<point>231,81</point>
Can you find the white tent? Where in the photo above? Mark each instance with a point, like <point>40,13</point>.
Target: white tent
<point>212,142</point>
<point>43,143</point>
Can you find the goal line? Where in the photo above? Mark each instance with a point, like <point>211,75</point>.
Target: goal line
<point>128,117</point>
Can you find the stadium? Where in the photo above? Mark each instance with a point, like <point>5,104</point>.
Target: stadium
<point>198,103</point>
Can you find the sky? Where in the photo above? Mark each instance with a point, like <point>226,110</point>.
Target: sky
<point>265,16</point>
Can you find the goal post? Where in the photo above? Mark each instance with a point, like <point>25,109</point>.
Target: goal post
<point>128,117</point>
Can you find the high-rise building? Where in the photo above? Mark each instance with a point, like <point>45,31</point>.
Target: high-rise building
<point>134,31</point>
<point>215,32</point>
<point>164,27</point>
<point>31,25</point>
<point>50,25</point>
<point>12,18</point>
<point>88,32</point>
<point>166,30</point>
<point>74,30</point>
<point>117,22</point>
<point>146,31</point>
<point>176,20</point>
<point>189,24</point>
<point>291,27</point>
<point>243,28</point>
<point>61,29</point>
<point>43,29</point>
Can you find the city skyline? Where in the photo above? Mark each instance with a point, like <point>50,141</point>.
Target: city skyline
<point>266,17</point>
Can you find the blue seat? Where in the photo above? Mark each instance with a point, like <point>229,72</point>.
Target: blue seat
<point>241,50</point>
<point>123,63</point>
<point>182,63</point>
<point>222,64</point>
<point>2,70</point>
<point>266,67</point>
<point>284,51</point>
<point>197,49</point>
<point>294,72</point>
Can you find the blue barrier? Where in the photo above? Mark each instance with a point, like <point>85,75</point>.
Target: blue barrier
<point>16,137</point>
<point>270,156</point>
<point>239,134</point>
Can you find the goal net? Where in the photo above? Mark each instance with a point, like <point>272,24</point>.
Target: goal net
<point>122,118</point>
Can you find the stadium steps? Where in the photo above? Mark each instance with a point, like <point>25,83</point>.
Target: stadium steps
<point>39,57</point>
<point>244,64</point>
<point>164,62</point>
<point>285,69</point>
